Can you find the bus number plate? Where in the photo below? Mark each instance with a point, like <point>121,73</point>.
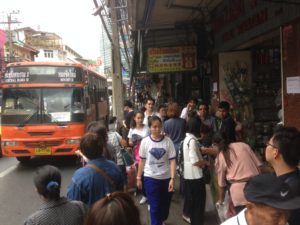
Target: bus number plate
<point>43,151</point>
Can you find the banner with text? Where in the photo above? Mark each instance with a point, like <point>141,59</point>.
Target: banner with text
<point>173,59</point>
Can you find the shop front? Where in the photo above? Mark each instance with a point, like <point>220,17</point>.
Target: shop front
<point>255,65</point>
<point>167,69</point>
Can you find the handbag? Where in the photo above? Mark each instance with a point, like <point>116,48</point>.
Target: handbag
<point>127,158</point>
<point>206,171</point>
<point>206,175</point>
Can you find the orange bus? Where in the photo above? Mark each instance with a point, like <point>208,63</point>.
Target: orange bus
<point>46,107</point>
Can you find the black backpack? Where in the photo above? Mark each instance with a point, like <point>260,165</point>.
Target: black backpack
<point>180,163</point>
<point>180,158</point>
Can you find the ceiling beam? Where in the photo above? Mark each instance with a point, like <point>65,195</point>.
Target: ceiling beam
<point>185,7</point>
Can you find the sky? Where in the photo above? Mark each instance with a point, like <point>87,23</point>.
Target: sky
<point>72,20</point>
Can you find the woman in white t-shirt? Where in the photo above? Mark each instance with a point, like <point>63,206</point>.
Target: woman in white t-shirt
<point>194,185</point>
<point>158,162</point>
<point>136,133</point>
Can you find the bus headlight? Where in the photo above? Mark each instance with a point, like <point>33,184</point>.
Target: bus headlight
<point>72,141</point>
<point>9,143</point>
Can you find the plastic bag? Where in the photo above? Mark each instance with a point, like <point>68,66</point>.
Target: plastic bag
<point>225,210</point>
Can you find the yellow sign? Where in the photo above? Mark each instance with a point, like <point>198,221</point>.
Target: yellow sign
<point>173,59</point>
<point>42,151</point>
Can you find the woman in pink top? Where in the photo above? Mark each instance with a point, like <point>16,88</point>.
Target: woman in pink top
<point>235,164</point>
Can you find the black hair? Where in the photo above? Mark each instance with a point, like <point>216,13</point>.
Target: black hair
<point>94,126</point>
<point>192,114</point>
<point>115,207</point>
<point>133,123</point>
<point>128,103</point>
<point>161,106</point>
<point>99,128</point>
<point>149,99</point>
<point>47,180</point>
<point>205,104</point>
<point>193,99</point>
<point>152,119</point>
<point>221,139</point>
<point>92,146</point>
<point>224,105</point>
<point>193,126</point>
<point>204,129</point>
<point>287,139</point>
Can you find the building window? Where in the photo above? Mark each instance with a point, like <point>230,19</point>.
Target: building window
<point>48,53</point>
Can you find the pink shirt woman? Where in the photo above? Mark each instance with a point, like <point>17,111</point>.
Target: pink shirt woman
<point>245,164</point>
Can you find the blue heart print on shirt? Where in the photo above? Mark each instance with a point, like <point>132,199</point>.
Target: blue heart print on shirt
<point>158,153</point>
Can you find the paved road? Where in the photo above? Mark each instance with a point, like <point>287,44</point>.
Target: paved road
<point>19,199</point>
<point>17,193</point>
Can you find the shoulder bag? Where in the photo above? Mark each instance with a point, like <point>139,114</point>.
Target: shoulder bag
<point>103,174</point>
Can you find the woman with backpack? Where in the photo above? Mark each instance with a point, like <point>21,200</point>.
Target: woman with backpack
<point>136,133</point>
<point>194,184</point>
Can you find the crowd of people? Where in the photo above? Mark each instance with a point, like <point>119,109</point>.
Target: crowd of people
<point>97,193</point>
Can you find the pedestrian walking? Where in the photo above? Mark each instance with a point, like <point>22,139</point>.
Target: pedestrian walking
<point>55,209</point>
<point>118,144</point>
<point>235,164</point>
<point>282,152</point>
<point>149,110</point>
<point>128,114</point>
<point>136,133</point>
<point>158,162</point>
<point>174,127</point>
<point>99,177</point>
<point>269,202</point>
<point>194,185</point>
<point>115,208</point>
<point>227,124</point>
<point>207,120</point>
<point>191,106</point>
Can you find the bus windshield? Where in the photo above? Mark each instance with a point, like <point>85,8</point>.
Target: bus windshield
<point>42,105</point>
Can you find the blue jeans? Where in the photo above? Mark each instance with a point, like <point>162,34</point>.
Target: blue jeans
<point>159,199</point>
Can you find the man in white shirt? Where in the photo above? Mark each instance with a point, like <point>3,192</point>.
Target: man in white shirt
<point>149,106</point>
<point>191,106</point>
<point>269,202</point>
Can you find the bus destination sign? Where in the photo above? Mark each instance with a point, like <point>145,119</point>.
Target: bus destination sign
<point>42,74</point>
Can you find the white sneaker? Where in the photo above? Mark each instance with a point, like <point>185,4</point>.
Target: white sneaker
<point>143,200</point>
<point>186,219</point>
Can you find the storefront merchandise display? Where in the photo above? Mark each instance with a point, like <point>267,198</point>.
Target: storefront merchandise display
<point>239,88</point>
<point>267,94</point>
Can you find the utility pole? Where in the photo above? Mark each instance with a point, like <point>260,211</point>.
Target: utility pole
<point>117,83</point>
<point>10,41</point>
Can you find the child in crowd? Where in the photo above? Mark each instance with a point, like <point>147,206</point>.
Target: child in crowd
<point>158,162</point>
<point>136,133</point>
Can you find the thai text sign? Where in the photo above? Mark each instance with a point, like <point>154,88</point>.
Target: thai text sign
<point>173,59</point>
<point>42,74</point>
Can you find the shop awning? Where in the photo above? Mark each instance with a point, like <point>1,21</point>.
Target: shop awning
<point>164,23</point>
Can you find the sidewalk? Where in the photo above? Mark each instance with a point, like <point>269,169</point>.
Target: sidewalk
<point>175,215</point>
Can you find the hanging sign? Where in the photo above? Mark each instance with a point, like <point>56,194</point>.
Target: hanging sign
<point>173,59</point>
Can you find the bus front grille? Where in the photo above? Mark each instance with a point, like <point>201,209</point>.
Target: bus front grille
<point>20,151</point>
<point>40,144</point>
<point>62,150</point>
<point>46,133</point>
